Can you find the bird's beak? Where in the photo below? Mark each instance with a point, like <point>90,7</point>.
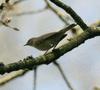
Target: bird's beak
<point>25,44</point>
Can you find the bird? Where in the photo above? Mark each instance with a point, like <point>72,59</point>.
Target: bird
<point>48,40</point>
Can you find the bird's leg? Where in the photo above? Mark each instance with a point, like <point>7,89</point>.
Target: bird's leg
<point>55,46</point>
<point>52,49</point>
<point>35,78</point>
<point>46,52</point>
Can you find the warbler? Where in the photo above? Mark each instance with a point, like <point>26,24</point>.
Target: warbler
<point>49,40</point>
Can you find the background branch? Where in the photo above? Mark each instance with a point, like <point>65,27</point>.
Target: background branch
<point>56,12</point>
<point>12,76</point>
<point>31,12</point>
<point>72,13</point>
<point>63,75</point>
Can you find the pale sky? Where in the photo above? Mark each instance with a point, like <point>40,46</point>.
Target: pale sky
<point>81,65</point>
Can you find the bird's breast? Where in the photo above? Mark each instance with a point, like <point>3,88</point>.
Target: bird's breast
<point>44,46</point>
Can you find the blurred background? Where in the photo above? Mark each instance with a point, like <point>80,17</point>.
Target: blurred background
<point>81,65</point>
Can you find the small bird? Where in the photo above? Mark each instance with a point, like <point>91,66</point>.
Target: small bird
<point>49,40</point>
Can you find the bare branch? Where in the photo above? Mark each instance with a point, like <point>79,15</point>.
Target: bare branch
<point>63,75</point>
<point>56,12</point>
<point>6,25</point>
<point>71,12</point>
<point>12,76</point>
<point>31,12</point>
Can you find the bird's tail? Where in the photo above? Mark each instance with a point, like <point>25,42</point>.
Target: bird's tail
<point>67,28</point>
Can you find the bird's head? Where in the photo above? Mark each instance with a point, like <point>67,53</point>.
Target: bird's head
<point>30,42</point>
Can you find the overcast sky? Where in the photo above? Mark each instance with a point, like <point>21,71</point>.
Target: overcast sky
<point>81,65</point>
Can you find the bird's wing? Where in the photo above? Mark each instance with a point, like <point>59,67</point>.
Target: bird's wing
<point>46,36</point>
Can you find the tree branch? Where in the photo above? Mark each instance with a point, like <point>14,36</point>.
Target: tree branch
<point>56,12</point>
<point>72,13</point>
<point>12,76</point>
<point>30,62</point>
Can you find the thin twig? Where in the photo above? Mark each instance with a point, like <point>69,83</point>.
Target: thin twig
<point>6,25</point>
<point>35,79</point>
<point>63,75</point>
<point>31,12</point>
